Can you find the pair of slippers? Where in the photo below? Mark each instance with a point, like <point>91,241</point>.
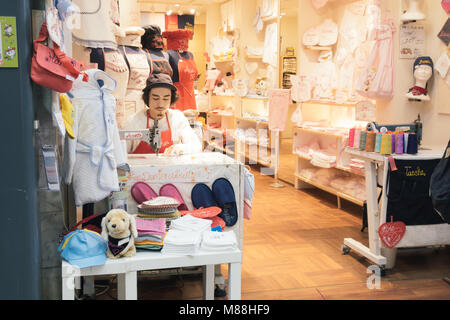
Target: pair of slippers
<point>142,192</point>
<point>221,195</point>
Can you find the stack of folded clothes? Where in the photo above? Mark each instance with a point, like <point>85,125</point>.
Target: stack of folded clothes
<point>218,241</point>
<point>150,234</point>
<point>159,208</point>
<point>181,242</point>
<point>190,223</point>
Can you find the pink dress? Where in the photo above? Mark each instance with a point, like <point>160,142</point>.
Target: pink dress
<point>377,80</point>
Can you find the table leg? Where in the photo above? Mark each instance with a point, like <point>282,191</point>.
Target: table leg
<point>373,217</point>
<point>234,281</point>
<point>68,288</point>
<point>208,282</point>
<point>127,286</point>
<point>89,286</point>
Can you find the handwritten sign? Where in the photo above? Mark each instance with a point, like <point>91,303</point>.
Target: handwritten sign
<point>171,174</point>
<point>412,41</point>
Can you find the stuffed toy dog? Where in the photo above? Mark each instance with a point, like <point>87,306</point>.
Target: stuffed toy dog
<point>119,230</point>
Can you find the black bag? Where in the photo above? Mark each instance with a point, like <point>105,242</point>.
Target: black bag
<point>408,193</point>
<point>440,186</point>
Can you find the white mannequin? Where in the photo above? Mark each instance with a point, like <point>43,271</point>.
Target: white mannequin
<point>422,73</point>
<point>413,12</point>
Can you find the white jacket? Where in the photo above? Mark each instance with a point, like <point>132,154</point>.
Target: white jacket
<point>183,136</point>
<point>91,159</point>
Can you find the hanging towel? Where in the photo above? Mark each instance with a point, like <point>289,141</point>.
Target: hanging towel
<point>279,101</point>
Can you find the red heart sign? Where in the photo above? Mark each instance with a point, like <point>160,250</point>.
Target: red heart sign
<point>446,5</point>
<point>391,233</point>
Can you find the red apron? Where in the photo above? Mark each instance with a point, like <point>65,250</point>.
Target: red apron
<point>166,140</point>
<point>187,72</point>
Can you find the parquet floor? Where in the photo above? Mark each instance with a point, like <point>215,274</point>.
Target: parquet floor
<point>292,251</point>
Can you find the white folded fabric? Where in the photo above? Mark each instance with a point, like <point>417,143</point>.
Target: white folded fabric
<point>190,223</point>
<point>218,241</point>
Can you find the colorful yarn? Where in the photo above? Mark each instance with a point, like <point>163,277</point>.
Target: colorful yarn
<point>399,143</point>
<point>351,137</point>
<point>362,141</point>
<point>392,142</point>
<point>405,142</point>
<point>378,142</point>
<point>357,138</point>
<point>386,144</point>
<point>412,144</point>
<point>370,141</point>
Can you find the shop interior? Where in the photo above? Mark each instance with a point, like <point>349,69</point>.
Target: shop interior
<point>310,193</point>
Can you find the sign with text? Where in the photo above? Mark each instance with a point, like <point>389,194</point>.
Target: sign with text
<point>8,43</point>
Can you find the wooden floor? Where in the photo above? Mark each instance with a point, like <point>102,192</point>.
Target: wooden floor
<point>292,251</point>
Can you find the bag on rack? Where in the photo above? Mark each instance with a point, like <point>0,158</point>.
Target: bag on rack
<point>440,186</point>
<point>408,195</point>
<point>51,68</point>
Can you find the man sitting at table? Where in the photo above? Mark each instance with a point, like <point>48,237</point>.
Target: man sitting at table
<point>177,136</point>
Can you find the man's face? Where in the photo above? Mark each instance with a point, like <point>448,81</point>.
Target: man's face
<point>159,102</point>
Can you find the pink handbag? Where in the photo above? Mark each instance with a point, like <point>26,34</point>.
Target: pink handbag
<point>51,68</point>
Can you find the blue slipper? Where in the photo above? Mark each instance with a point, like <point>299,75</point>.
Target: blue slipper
<point>202,196</point>
<point>224,195</point>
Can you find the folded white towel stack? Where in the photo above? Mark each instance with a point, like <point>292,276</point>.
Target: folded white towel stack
<point>218,241</point>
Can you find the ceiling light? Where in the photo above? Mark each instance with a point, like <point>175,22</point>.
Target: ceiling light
<point>177,5</point>
<point>192,11</point>
<point>169,12</point>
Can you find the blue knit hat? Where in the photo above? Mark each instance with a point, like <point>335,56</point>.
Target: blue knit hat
<point>423,61</point>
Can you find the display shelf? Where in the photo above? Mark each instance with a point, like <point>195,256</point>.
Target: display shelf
<point>222,149</point>
<point>331,190</point>
<point>250,120</point>
<point>333,102</point>
<point>254,57</point>
<point>319,48</point>
<point>304,130</point>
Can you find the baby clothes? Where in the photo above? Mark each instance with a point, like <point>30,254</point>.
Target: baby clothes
<point>376,80</point>
<point>279,101</point>
<point>270,54</point>
<point>91,159</point>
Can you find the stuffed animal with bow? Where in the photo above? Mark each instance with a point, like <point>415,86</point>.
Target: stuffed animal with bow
<point>119,230</point>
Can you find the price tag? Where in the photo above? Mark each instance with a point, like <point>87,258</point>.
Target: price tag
<point>51,168</point>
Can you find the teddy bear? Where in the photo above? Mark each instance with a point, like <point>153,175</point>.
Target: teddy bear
<point>119,231</point>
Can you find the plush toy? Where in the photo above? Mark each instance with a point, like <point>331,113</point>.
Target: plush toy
<point>261,86</point>
<point>119,230</point>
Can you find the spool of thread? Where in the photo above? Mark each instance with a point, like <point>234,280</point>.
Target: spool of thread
<point>357,138</point>
<point>405,142</point>
<point>362,141</point>
<point>351,137</point>
<point>378,142</point>
<point>392,142</point>
<point>412,144</point>
<point>386,144</point>
<point>370,141</point>
<point>399,144</point>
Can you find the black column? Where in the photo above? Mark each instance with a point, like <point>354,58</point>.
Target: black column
<point>19,223</point>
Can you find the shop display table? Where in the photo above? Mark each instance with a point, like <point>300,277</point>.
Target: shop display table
<point>184,172</point>
<point>415,236</point>
<point>127,268</point>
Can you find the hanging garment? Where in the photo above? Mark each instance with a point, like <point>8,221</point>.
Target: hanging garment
<point>113,63</point>
<point>212,78</point>
<point>182,134</point>
<point>279,101</point>
<point>166,140</point>
<point>376,80</point>
<point>139,66</point>
<point>249,190</point>
<point>185,72</point>
<point>94,27</point>
<point>159,62</point>
<point>91,159</point>
<point>270,55</point>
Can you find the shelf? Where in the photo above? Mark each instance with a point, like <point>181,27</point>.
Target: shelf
<point>255,97</point>
<point>224,150</point>
<point>332,102</point>
<point>350,171</point>
<point>252,120</point>
<point>318,132</point>
<point>254,57</point>
<point>270,18</point>
<point>253,160</point>
<point>331,190</point>
<point>319,48</point>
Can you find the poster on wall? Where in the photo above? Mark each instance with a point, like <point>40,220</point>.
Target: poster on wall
<point>8,43</point>
<point>412,41</point>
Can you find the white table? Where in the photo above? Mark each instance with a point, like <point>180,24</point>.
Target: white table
<point>127,268</point>
<point>415,236</point>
